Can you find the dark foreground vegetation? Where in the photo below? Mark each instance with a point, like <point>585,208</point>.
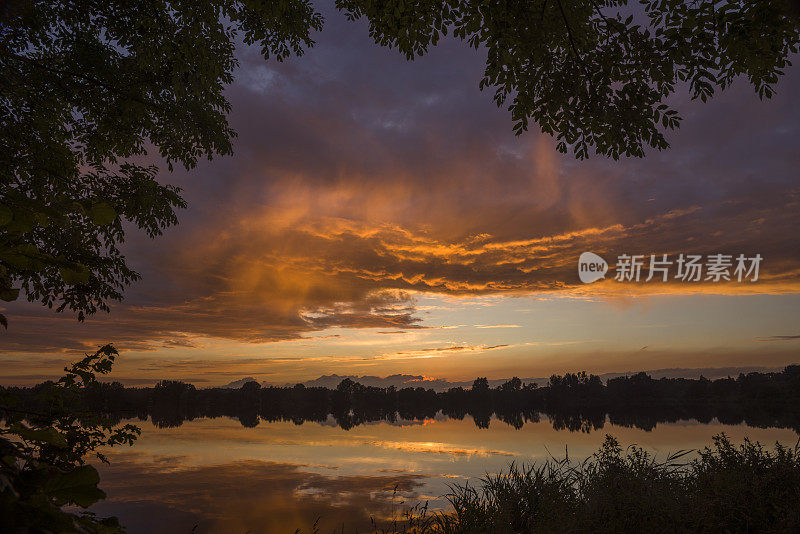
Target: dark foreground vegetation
<point>576,402</point>
<point>44,452</point>
<point>47,434</point>
<point>727,488</point>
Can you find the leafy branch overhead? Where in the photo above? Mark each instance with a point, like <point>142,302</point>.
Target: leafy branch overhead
<point>86,88</point>
<point>598,74</point>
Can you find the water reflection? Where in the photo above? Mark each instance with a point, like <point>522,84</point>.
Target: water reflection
<point>279,476</point>
<point>162,495</point>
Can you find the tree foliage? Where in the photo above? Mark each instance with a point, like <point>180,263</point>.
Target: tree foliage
<point>597,74</point>
<point>43,453</point>
<point>86,88</point>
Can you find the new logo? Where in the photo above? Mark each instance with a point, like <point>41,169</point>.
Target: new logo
<point>591,267</point>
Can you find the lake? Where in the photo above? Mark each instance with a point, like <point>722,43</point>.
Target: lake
<point>219,476</point>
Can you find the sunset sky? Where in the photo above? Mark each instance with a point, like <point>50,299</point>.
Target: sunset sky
<point>379,216</point>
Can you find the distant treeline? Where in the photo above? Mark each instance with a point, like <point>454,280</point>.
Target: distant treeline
<point>575,401</point>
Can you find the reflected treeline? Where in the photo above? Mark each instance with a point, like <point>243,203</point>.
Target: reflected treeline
<point>574,402</point>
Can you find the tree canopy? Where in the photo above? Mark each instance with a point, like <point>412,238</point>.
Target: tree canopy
<point>87,88</point>
<point>597,74</point>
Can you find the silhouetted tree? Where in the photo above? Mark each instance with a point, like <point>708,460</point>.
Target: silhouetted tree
<point>515,384</point>
<point>86,87</point>
<point>480,385</point>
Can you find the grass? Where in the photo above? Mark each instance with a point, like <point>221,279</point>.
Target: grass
<point>725,488</point>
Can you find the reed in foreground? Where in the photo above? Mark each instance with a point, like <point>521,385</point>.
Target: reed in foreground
<point>725,488</point>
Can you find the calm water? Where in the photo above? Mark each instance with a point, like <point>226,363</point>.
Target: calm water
<point>277,477</point>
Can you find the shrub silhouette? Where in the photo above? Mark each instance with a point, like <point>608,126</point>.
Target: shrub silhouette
<point>43,452</point>
<point>727,488</point>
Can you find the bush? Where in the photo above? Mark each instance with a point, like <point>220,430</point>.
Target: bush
<point>725,489</point>
<point>43,469</point>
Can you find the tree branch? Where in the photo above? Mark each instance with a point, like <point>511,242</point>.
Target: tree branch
<point>577,54</point>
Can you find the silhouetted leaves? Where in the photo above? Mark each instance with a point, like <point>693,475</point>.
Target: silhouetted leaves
<point>43,451</point>
<point>85,89</point>
<point>76,487</point>
<point>597,75</point>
